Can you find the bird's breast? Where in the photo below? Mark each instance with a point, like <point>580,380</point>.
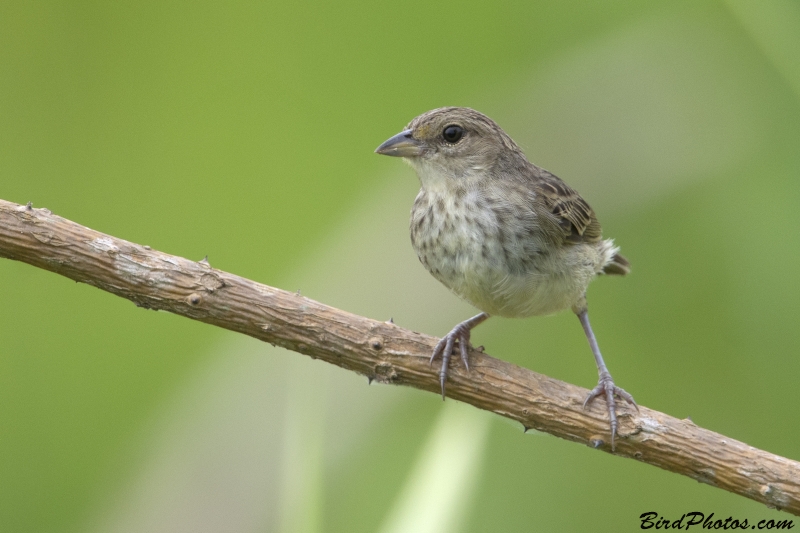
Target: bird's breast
<point>495,255</point>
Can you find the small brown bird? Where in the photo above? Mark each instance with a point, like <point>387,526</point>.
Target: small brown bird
<point>509,237</point>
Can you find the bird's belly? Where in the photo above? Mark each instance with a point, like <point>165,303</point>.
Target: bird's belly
<point>499,274</point>
<point>499,292</point>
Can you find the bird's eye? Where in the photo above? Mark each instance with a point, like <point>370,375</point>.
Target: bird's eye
<point>453,133</point>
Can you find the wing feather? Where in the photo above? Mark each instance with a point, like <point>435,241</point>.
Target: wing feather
<point>571,212</point>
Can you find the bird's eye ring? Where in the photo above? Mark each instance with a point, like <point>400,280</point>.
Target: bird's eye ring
<point>452,133</point>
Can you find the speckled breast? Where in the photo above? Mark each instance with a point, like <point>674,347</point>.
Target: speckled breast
<point>490,255</point>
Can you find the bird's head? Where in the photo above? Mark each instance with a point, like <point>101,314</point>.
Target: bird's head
<point>452,144</point>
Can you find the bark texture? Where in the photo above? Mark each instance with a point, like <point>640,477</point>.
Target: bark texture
<point>388,353</point>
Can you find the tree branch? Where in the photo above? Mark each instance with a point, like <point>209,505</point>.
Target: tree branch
<point>387,353</point>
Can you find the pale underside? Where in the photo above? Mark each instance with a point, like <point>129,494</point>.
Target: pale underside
<point>497,256</point>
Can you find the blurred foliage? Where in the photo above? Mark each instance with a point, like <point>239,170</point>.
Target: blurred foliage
<point>245,131</point>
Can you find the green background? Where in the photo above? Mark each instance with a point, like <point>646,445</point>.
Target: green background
<point>244,131</point>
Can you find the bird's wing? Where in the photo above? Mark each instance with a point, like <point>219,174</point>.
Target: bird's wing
<point>567,209</point>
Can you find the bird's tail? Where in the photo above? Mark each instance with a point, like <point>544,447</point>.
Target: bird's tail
<point>614,263</point>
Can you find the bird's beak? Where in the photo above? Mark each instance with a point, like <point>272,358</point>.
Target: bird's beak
<point>401,145</point>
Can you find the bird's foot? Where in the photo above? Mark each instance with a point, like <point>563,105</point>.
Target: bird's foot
<point>605,386</point>
<point>444,348</point>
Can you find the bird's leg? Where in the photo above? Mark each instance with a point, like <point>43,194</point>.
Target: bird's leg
<point>445,345</point>
<point>605,385</point>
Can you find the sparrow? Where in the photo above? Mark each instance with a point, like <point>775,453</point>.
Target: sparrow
<point>507,236</point>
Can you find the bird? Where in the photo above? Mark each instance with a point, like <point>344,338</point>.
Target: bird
<point>507,236</point>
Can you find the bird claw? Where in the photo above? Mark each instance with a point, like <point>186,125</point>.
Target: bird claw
<point>605,386</point>
<point>444,348</point>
